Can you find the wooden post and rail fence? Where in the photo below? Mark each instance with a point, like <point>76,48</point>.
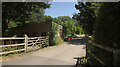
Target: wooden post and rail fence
<point>28,43</point>
<point>114,52</point>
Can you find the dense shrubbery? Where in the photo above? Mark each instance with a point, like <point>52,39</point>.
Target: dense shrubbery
<point>106,33</point>
<point>107,27</point>
<point>53,35</point>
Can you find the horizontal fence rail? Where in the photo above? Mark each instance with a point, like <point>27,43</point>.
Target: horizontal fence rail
<point>12,45</point>
<point>29,43</point>
<point>8,38</point>
<point>113,51</point>
<point>106,48</point>
<point>96,58</point>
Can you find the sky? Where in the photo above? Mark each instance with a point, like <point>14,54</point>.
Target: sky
<point>61,9</point>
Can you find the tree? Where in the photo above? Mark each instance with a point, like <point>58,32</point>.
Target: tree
<point>107,24</point>
<point>36,17</point>
<point>58,20</point>
<point>48,18</point>
<point>86,16</point>
<point>19,12</point>
<point>70,25</point>
<point>65,18</point>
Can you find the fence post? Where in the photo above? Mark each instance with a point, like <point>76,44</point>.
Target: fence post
<point>26,43</point>
<point>116,56</point>
<point>47,40</point>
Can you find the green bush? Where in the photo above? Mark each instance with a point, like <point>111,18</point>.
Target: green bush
<point>74,35</point>
<point>107,27</point>
<point>106,33</point>
<point>52,35</point>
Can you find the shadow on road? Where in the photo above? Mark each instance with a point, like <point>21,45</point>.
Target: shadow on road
<point>78,41</point>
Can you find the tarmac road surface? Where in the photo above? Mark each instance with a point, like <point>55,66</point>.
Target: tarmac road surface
<point>60,55</point>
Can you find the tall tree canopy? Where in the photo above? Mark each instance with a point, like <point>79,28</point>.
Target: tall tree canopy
<point>21,12</point>
<point>65,18</point>
<point>107,27</point>
<point>86,16</point>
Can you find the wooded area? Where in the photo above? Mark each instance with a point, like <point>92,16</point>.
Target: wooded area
<point>100,20</point>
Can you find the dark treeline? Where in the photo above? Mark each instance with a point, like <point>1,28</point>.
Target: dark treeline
<point>101,20</point>
<point>15,14</point>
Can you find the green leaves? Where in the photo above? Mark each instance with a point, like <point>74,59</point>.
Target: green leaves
<point>53,34</point>
<point>107,24</point>
<point>70,25</point>
<point>86,17</point>
<point>22,12</point>
<point>37,16</point>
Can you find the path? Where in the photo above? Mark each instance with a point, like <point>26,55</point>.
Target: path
<point>60,55</point>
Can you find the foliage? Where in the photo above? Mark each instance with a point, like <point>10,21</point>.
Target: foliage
<point>107,24</point>
<point>106,33</point>
<point>79,30</point>
<point>58,20</point>
<point>48,18</point>
<point>96,6</point>
<point>59,40</point>
<point>37,16</point>
<point>70,26</point>
<point>74,35</point>
<point>86,17</point>
<point>65,18</point>
<point>20,12</point>
<point>53,35</point>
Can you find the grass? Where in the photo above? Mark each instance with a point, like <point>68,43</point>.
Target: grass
<point>20,54</point>
<point>29,52</point>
